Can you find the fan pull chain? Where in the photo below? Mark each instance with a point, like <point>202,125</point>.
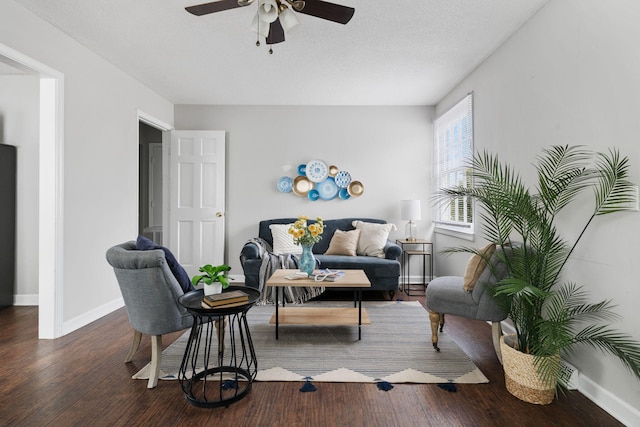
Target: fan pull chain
<point>258,38</point>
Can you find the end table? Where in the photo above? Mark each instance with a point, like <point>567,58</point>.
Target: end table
<point>218,370</point>
<point>424,251</point>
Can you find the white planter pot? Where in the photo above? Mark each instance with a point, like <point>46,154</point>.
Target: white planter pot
<point>214,288</point>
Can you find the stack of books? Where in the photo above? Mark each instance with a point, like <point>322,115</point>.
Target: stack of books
<point>225,299</point>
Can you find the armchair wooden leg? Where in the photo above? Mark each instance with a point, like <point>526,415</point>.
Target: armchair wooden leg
<point>496,333</point>
<point>156,360</point>
<point>436,320</point>
<point>135,344</point>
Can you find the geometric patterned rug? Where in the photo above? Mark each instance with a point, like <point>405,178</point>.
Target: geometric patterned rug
<point>396,348</point>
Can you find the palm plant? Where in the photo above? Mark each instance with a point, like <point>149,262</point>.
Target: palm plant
<point>550,317</point>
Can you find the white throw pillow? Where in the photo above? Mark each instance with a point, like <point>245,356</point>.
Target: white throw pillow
<point>283,241</point>
<point>373,237</point>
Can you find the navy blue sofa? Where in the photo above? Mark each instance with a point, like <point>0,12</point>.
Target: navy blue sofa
<point>383,273</point>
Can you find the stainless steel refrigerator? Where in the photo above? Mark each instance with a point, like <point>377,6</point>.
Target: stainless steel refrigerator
<point>7,223</point>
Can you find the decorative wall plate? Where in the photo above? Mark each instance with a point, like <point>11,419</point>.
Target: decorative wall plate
<point>316,180</point>
<point>317,170</point>
<point>285,184</point>
<point>355,188</point>
<point>327,189</point>
<point>343,179</point>
<point>343,194</point>
<point>302,186</point>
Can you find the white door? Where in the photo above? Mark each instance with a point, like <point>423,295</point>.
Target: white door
<point>196,198</point>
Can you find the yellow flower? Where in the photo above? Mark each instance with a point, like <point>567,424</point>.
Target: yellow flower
<point>304,233</point>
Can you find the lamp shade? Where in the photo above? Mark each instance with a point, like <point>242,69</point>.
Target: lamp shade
<point>260,27</point>
<point>288,19</point>
<point>268,10</point>
<point>410,210</point>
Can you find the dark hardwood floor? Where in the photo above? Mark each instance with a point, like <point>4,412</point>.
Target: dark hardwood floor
<point>81,380</point>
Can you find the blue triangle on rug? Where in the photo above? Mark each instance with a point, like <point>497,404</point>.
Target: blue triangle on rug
<point>307,385</point>
<point>450,387</point>
<point>229,384</point>
<point>383,385</point>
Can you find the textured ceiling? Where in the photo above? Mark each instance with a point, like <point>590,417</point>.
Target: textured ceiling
<point>403,52</point>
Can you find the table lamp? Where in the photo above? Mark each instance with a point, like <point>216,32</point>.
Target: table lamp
<point>410,211</point>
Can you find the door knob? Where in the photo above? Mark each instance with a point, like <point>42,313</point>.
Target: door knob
<point>219,214</point>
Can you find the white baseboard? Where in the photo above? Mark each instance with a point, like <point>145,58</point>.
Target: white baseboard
<point>236,279</point>
<point>91,316</point>
<point>606,400</point>
<point>609,402</point>
<point>25,299</point>
<point>416,280</point>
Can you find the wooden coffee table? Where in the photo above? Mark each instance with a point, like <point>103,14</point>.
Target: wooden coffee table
<point>352,279</point>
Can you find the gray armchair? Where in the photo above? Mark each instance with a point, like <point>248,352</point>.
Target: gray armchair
<point>446,295</point>
<point>150,292</point>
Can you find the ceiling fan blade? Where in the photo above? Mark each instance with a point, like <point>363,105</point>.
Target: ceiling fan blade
<point>216,6</point>
<point>329,11</point>
<point>276,32</point>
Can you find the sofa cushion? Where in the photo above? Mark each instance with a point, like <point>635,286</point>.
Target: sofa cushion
<point>145,244</point>
<point>344,243</point>
<point>283,241</point>
<point>475,267</point>
<point>373,238</point>
<point>374,267</point>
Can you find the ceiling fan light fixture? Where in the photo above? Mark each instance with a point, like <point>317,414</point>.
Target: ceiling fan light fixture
<point>296,4</point>
<point>259,27</point>
<point>288,19</point>
<point>242,3</point>
<point>268,10</point>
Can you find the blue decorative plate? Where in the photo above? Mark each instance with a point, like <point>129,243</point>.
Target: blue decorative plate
<point>344,194</point>
<point>343,179</point>
<point>317,170</point>
<point>327,189</point>
<point>313,195</point>
<point>285,184</point>
<point>302,170</point>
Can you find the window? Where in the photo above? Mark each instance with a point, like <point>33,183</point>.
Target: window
<point>453,144</point>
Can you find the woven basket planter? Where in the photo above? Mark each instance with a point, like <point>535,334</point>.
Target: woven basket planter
<point>521,375</point>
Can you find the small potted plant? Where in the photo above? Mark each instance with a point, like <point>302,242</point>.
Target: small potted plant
<point>213,277</point>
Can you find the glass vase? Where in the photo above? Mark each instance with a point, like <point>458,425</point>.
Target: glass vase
<point>307,261</point>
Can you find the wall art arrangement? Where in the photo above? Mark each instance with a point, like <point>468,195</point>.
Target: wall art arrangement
<point>317,181</point>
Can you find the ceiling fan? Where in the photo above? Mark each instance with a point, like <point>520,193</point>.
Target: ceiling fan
<point>275,17</point>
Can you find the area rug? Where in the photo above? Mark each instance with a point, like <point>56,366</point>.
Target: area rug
<point>396,348</point>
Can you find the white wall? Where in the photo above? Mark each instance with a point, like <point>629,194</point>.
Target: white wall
<point>388,149</point>
<point>570,76</point>
<point>19,114</point>
<point>100,157</point>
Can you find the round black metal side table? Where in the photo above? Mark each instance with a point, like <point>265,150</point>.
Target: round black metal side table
<point>219,363</point>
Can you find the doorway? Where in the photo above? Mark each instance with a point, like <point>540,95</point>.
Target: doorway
<point>50,218</point>
<point>150,183</point>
